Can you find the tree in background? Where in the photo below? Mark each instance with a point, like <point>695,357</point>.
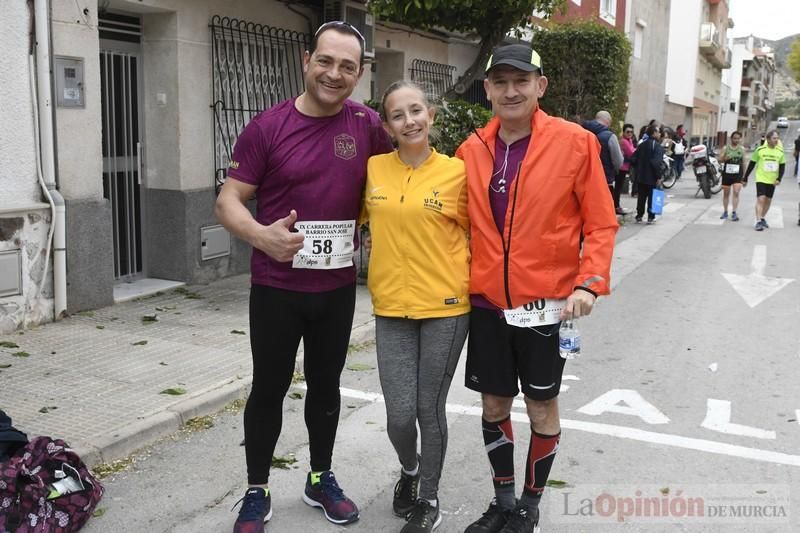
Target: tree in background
<point>586,64</point>
<point>794,59</point>
<point>488,21</point>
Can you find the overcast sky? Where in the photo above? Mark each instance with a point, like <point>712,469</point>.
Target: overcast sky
<point>769,19</point>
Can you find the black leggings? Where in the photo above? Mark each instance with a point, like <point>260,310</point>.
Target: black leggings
<point>278,319</point>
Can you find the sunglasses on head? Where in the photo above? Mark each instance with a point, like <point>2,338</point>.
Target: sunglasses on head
<point>340,24</point>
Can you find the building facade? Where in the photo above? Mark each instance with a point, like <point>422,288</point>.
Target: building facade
<point>649,37</point>
<point>697,55</point>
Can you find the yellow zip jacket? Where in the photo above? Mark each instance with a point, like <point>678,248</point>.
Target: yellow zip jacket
<point>419,264</point>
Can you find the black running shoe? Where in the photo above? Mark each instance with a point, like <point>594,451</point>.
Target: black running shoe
<point>405,494</point>
<point>521,521</point>
<point>492,520</point>
<point>423,518</point>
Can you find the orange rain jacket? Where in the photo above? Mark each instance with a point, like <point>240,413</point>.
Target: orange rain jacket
<point>560,189</point>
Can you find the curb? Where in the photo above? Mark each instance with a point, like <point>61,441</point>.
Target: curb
<point>109,447</point>
<point>132,437</point>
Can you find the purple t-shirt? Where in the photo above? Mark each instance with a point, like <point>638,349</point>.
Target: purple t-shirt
<point>507,159</point>
<point>314,165</point>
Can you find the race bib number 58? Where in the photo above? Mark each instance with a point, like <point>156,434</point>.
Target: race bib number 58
<point>328,244</point>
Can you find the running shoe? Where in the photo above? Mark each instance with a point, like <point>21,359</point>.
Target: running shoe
<point>256,509</point>
<point>423,518</point>
<point>492,520</point>
<point>724,215</point>
<point>621,211</point>
<point>759,226</point>
<point>328,496</point>
<point>521,521</point>
<point>734,217</point>
<point>651,221</point>
<point>764,223</point>
<point>405,494</point>
<point>638,220</point>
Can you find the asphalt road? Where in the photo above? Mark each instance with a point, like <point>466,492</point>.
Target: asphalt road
<point>685,399</point>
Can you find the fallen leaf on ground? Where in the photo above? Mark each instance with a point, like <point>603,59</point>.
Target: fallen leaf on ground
<point>283,462</point>
<point>8,344</point>
<point>359,367</point>
<point>21,354</point>
<point>296,395</point>
<point>556,483</point>
<point>139,343</point>
<point>174,391</point>
<point>47,409</point>
<point>238,332</point>
<point>5,365</point>
<point>147,319</point>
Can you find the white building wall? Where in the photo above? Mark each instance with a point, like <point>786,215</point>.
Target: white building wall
<point>18,180</point>
<point>24,218</point>
<point>684,40</point>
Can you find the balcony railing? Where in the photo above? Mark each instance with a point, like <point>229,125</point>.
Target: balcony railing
<point>709,38</point>
<point>744,111</point>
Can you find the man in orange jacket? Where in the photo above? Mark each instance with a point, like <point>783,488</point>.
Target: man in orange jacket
<point>535,184</point>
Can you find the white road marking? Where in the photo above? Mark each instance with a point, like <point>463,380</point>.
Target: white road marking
<point>797,415</point>
<point>671,207</point>
<point>711,216</point>
<point>718,418</point>
<point>651,437</point>
<point>755,287</point>
<point>625,402</point>
<point>774,217</point>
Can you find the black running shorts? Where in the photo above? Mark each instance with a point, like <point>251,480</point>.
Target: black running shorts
<point>500,357</point>
<point>765,189</point>
<point>730,179</point>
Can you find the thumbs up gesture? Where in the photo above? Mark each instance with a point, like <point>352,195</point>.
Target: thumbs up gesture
<point>278,240</point>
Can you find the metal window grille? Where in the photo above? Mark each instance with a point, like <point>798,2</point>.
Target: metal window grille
<point>436,78</point>
<point>254,67</point>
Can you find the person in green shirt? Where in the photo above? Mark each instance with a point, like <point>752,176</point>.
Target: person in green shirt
<point>732,159</point>
<point>769,163</point>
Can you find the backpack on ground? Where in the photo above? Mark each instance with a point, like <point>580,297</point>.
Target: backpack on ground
<point>46,488</point>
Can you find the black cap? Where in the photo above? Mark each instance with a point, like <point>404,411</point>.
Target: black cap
<point>520,56</point>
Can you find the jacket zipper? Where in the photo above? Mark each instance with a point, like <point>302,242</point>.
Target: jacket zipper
<point>507,247</point>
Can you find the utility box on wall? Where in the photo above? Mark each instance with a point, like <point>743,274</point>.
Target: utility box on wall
<point>69,82</point>
<point>215,241</point>
<point>10,273</point>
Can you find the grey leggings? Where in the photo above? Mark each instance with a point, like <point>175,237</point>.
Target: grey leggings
<point>416,362</point>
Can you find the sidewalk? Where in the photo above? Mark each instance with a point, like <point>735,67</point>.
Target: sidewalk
<point>96,379</point>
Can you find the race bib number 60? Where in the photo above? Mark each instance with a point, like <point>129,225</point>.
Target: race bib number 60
<point>541,312</point>
<point>328,244</point>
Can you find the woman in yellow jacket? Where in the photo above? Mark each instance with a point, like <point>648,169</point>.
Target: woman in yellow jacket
<point>416,204</point>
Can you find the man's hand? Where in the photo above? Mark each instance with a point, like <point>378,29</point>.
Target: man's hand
<point>277,241</point>
<point>578,304</point>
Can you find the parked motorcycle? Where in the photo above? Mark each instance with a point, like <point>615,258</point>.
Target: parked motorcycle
<point>706,169</point>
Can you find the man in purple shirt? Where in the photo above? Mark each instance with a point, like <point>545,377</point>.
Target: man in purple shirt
<point>305,161</point>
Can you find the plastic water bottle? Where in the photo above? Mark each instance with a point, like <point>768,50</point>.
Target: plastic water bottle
<point>569,340</point>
